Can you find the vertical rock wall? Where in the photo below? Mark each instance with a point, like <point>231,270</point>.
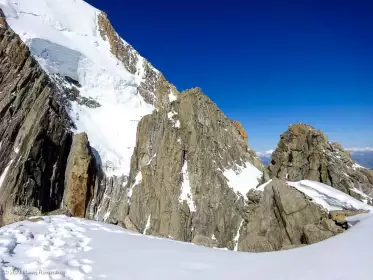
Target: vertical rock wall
<point>35,135</point>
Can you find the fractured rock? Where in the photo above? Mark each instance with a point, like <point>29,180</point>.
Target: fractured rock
<point>79,176</point>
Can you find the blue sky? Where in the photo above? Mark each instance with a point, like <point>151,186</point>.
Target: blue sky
<point>265,63</point>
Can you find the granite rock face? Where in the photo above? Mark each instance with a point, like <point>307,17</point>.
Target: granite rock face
<point>80,176</point>
<point>185,150</point>
<point>35,134</point>
<point>283,218</point>
<point>305,153</point>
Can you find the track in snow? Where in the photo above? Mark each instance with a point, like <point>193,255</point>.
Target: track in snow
<point>47,249</point>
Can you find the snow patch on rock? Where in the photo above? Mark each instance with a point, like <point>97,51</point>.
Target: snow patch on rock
<point>3,175</point>
<point>138,180</point>
<point>329,197</point>
<point>186,191</point>
<point>243,178</point>
<point>172,97</point>
<point>237,237</point>
<point>262,186</point>
<point>147,226</point>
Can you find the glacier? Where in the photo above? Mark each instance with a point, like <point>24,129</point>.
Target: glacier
<point>64,37</point>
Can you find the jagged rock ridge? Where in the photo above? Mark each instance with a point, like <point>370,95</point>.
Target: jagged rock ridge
<point>305,153</point>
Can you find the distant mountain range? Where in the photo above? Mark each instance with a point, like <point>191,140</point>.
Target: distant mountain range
<point>363,158</point>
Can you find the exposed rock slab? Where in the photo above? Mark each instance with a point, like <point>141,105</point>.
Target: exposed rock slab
<point>187,146</point>
<point>283,218</point>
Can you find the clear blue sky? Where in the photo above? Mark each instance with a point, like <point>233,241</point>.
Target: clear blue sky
<point>265,63</point>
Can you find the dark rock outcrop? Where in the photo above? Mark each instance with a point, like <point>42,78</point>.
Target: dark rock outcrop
<point>305,153</point>
<point>34,130</point>
<point>283,218</point>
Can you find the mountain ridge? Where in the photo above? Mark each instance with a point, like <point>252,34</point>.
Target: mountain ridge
<point>89,126</point>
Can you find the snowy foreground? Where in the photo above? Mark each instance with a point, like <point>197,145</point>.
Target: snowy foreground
<point>60,247</point>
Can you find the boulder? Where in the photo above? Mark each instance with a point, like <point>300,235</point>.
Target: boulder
<point>59,212</point>
<point>18,213</point>
<point>128,224</point>
<point>35,219</point>
<point>313,233</point>
<point>204,241</point>
<point>339,216</point>
<point>254,196</point>
<point>283,218</point>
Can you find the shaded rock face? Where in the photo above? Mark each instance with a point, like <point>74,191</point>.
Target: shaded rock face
<point>35,135</point>
<point>283,218</point>
<point>305,153</point>
<point>186,147</point>
<point>79,176</point>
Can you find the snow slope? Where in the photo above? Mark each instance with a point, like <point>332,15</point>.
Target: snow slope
<point>69,248</point>
<point>329,197</point>
<point>63,36</point>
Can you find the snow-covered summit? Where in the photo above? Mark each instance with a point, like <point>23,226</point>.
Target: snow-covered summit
<point>64,36</point>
